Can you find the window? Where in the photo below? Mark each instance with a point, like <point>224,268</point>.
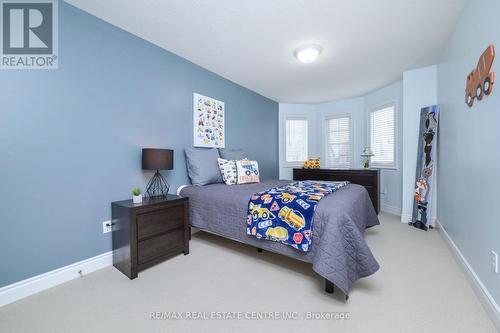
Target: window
<point>296,140</point>
<point>382,136</point>
<point>338,145</point>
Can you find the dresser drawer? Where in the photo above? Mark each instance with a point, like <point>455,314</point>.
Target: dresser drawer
<point>157,246</point>
<point>364,179</point>
<point>371,189</point>
<point>148,233</point>
<point>372,192</point>
<point>160,221</point>
<point>368,178</point>
<point>361,178</point>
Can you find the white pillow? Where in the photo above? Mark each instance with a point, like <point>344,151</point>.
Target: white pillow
<point>248,171</point>
<point>228,170</point>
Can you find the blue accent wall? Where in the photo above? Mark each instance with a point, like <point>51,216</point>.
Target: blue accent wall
<point>71,139</point>
<point>469,144</point>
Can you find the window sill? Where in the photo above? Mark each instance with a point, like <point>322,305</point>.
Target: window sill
<point>292,166</point>
<point>384,167</point>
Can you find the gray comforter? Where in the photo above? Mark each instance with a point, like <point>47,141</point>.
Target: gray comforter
<point>339,252</point>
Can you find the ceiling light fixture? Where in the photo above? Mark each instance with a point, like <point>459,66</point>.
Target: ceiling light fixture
<point>307,53</point>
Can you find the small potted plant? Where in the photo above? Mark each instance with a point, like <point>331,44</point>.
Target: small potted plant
<point>136,195</point>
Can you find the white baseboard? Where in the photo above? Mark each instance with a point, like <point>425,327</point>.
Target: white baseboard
<point>482,293</point>
<point>390,209</point>
<point>36,284</point>
<point>405,218</point>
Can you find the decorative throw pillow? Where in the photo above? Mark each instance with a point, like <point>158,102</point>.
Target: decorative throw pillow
<point>228,170</point>
<point>232,154</point>
<point>248,171</point>
<point>202,166</point>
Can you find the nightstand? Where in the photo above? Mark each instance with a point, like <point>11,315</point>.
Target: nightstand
<point>148,233</point>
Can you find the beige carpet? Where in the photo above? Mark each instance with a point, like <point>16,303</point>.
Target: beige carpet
<point>419,293</point>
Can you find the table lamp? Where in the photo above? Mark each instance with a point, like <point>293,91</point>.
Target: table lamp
<point>157,159</point>
<point>367,154</point>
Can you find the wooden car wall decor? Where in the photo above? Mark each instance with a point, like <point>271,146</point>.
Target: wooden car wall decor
<point>481,80</point>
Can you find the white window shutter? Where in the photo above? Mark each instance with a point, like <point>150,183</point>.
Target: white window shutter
<point>296,140</point>
<point>338,145</point>
<point>382,136</point>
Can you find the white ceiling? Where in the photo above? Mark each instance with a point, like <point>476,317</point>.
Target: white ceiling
<point>366,43</point>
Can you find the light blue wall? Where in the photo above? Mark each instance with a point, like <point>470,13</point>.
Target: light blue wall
<point>390,179</point>
<point>469,144</point>
<point>357,108</point>
<point>70,139</point>
<point>419,91</point>
<point>307,111</point>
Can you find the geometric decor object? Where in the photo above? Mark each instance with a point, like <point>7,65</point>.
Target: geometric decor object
<point>157,187</point>
<point>426,161</point>
<point>481,80</point>
<point>208,122</point>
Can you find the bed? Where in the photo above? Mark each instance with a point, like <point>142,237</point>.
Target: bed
<point>339,252</point>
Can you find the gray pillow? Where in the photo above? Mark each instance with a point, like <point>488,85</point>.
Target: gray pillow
<point>202,166</point>
<point>232,154</point>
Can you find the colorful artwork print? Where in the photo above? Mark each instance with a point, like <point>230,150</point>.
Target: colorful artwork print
<point>208,116</point>
<point>285,214</point>
<point>425,167</point>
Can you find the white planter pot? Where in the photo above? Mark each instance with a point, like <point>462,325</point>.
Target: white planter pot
<point>137,199</point>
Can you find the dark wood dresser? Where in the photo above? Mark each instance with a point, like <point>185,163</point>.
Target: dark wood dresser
<point>369,178</point>
<point>147,233</point>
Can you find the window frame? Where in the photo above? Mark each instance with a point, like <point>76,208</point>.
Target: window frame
<point>395,164</point>
<point>286,163</point>
<point>351,139</point>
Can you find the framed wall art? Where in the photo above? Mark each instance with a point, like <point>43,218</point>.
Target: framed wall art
<point>208,122</point>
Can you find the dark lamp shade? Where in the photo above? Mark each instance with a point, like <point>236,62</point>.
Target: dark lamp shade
<point>157,159</point>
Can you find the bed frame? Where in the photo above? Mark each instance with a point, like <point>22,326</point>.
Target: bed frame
<point>329,286</point>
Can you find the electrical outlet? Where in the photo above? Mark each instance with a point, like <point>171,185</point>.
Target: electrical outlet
<point>494,261</point>
<point>106,227</point>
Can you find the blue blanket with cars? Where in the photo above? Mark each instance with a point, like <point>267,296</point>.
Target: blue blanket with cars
<point>285,214</point>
